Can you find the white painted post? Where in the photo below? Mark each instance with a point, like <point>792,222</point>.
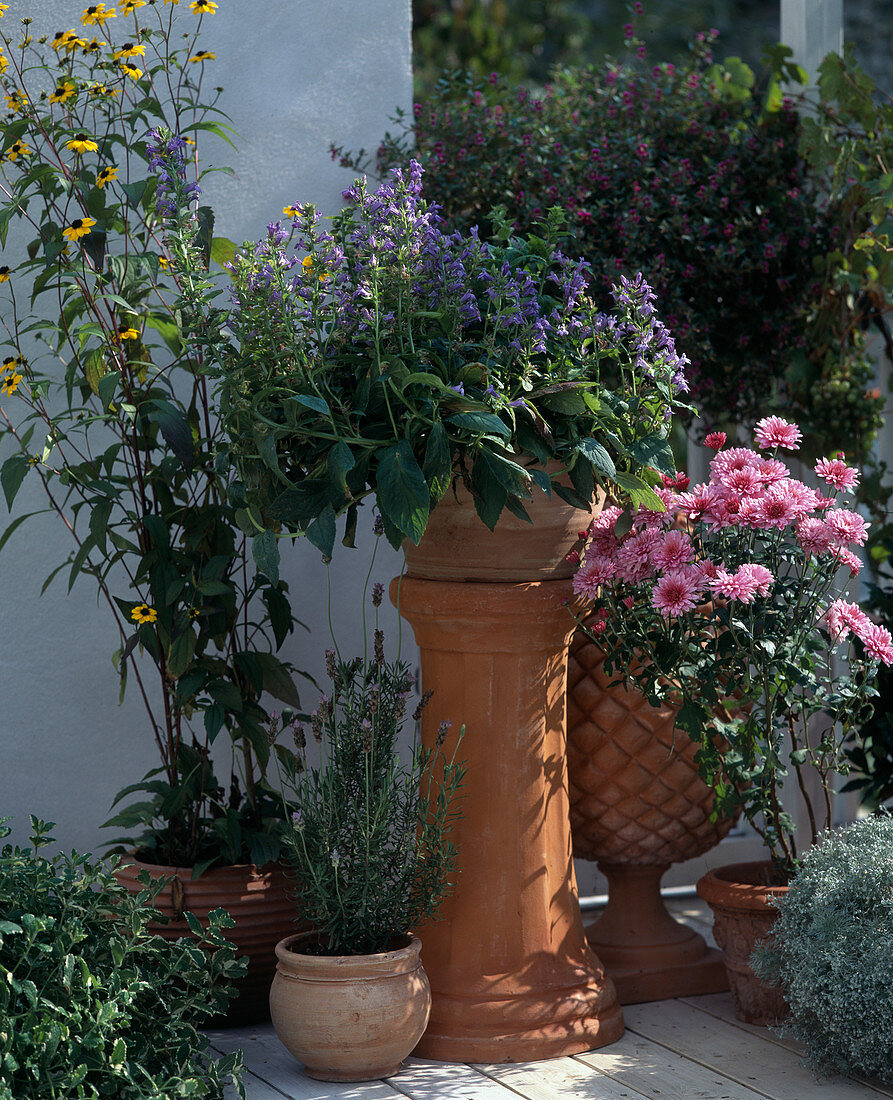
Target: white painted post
<point>812,28</point>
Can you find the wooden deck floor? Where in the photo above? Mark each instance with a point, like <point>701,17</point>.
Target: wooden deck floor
<point>687,1049</point>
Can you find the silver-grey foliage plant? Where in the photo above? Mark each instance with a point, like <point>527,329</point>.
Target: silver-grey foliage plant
<point>832,951</point>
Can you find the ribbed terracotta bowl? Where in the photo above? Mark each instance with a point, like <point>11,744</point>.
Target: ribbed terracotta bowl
<point>739,896</point>
<point>259,901</point>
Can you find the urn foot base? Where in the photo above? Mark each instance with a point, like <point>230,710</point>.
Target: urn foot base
<point>523,1026</point>
<point>664,971</point>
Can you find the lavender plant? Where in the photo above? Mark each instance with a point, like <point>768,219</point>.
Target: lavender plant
<point>369,838</point>
<point>386,357</point>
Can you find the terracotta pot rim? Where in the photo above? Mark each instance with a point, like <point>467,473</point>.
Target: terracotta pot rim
<point>131,859</point>
<point>728,886</point>
<point>347,967</point>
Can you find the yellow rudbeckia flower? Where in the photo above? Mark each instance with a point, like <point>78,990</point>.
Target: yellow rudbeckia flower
<point>16,101</point>
<point>129,333</point>
<point>16,150</point>
<point>10,384</point>
<point>203,55</point>
<point>203,7</point>
<point>80,227</point>
<point>64,91</point>
<point>130,70</point>
<point>292,210</point>
<point>97,13</point>
<point>80,144</point>
<point>129,49</point>
<point>128,7</point>
<point>106,175</point>
<point>142,613</point>
<point>4,274</point>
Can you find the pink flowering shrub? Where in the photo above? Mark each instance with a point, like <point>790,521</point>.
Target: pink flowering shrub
<point>733,596</point>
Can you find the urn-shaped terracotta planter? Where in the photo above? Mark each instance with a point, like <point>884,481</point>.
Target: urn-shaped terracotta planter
<point>258,900</point>
<point>739,896</point>
<point>349,1017</point>
<point>637,805</point>
<point>512,977</point>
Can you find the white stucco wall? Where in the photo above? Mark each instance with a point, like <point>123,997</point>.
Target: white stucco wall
<point>298,75</point>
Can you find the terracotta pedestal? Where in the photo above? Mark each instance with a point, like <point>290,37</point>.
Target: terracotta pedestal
<point>511,975</point>
<point>638,805</point>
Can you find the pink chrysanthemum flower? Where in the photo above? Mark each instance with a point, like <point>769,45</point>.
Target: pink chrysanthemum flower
<point>773,431</point>
<point>673,552</point>
<point>814,535</point>
<point>680,482</point>
<point>836,472</point>
<point>592,574</point>
<point>697,501</point>
<point>675,593</point>
<point>772,470</point>
<point>629,602</point>
<point>848,526</point>
<point>849,559</point>
<point>735,586</point>
<point>736,458</point>
<point>745,480</point>
<point>842,617</point>
<point>715,440</point>
<point>634,556</point>
<point>760,575</point>
<point>779,506</point>
<point>878,643</point>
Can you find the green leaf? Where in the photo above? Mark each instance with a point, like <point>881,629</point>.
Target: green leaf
<point>205,232</point>
<point>480,423</point>
<point>401,490</point>
<point>174,426</point>
<point>106,388</point>
<point>490,494</point>
<point>12,475</point>
<point>223,251</point>
<point>301,504</point>
<point>512,477</point>
<point>80,560</point>
<point>639,491</point>
<point>181,653</point>
<point>214,717</point>
<point>95,368</point>
<point>597,457</point>
<point>311,401</point>
<point>321,531</point>
<point>100,510</point>
<point>226,693</point>
<point>277,680</point>
<point>437,467</point>
<point>340,461</point>
<point>654,450</point>
<point>265,551</point>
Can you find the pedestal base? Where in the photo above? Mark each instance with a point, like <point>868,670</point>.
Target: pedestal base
<point>649,955</point>
<point>512,978</point>
<point>522,1027</point>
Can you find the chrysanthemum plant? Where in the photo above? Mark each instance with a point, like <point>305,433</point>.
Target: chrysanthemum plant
<point>730,606</point>
<point>109,413</point>
<point>386,358</point>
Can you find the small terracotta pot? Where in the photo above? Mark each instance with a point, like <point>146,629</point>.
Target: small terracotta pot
<point>258,900</point>
<point>739,896</point>
<point>349,1017</point>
